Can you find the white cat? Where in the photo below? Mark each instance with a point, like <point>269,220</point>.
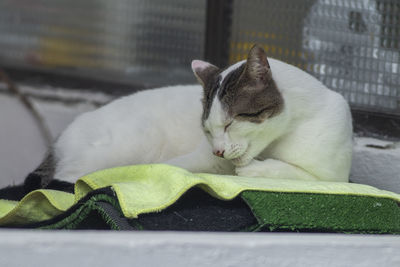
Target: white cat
<point>258,118</point>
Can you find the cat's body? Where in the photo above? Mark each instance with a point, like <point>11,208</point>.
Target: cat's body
<point>150,126</point>
<point>301,130</point>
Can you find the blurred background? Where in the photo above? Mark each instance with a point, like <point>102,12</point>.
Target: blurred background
<point>66,57</point>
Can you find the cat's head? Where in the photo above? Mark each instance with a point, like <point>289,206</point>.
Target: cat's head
<point>239,103</point>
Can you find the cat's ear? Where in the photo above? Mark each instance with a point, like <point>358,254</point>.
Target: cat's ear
<point>257,66</point>
<point>203,71</point>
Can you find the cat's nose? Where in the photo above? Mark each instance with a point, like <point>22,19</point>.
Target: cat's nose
<point>219,153</point>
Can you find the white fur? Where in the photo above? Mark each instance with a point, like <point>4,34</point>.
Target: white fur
<point>215,125</point>
<point>309,140</point>
<point>147,127</point>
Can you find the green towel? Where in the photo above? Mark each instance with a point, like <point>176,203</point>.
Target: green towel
<point>151,188</point>
<point>36,206</point>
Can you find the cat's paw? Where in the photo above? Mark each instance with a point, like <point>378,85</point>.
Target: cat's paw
<point>242,161</point>
<point>254,169</point>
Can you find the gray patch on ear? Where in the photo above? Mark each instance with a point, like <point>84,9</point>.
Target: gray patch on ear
<point>257,64</point>
<point>204,76</point>
<point>249,92</point>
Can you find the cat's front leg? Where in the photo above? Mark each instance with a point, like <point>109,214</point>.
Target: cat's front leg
<point>275,169</point>
<point>202,160</point>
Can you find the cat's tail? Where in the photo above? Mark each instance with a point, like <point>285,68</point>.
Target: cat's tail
<point>43,174</point>
<point>43,177</point>
<point>40,178</point>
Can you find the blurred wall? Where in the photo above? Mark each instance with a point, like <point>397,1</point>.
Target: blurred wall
<point>22,145</point>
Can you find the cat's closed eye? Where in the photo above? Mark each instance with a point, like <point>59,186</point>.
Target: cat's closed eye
<point>227,126</point>
<point>254,114</point>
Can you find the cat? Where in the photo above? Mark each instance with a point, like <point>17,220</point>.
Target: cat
<point>260,117</point>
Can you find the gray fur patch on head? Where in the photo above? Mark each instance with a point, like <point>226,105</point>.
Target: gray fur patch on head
<point>207,75</point>
<point>248,104</point>
<point>210,92</point>
<point>231,79</point>
<point>247,92</point>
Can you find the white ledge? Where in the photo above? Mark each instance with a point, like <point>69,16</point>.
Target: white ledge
<point>98,248</point>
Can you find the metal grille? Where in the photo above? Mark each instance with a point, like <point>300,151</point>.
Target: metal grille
<point>352,46</point>
<point>143,41</point>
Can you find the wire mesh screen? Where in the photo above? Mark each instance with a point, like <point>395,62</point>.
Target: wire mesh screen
<point>144,41</point>
<point>352,46</point>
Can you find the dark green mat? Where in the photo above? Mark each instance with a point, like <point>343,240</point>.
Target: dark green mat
<point>324,213</point>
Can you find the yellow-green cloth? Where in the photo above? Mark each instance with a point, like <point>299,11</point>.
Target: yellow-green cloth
<point>36,206</point>
<point>149,188</point>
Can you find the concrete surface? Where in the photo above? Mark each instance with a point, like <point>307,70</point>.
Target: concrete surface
<point>377,163</point>
<point>82,248</point>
